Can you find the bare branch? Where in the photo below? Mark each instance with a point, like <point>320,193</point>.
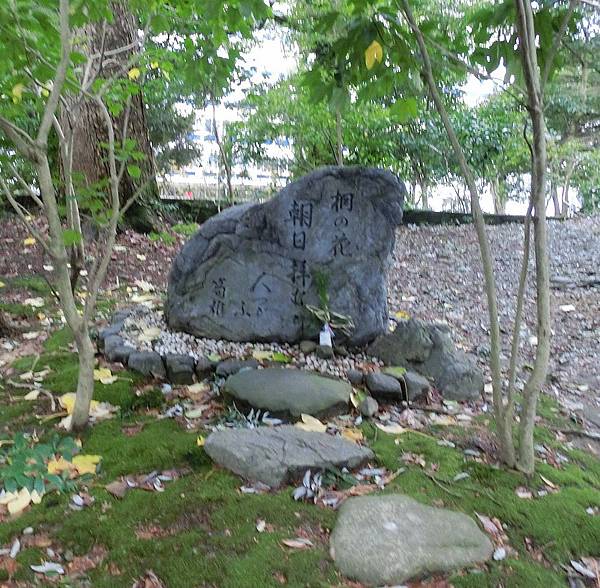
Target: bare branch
<point>25,185</point>
<point>60,76</point>
<point>23,143</point>
<point>23,214</point>
<point>557,42</point>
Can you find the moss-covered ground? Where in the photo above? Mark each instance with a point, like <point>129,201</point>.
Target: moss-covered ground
<point>201,531</point>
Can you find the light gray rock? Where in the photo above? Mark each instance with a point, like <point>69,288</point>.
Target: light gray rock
<point>289,391</point>
<point>416,385</point>
<point>369,407</point>
<point>148,363</point>
<point>383,386</point>
<point>307,347</point>
<point>233,366</point>
<point>429,350</point>
<point>180,369</point>
<point>278,455</point>
<point>249,272</point>
<point>387,540</point>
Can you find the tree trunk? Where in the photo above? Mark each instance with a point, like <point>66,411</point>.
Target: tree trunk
<point>565,189</point>
<point>555,200</point>
<point>89,131</point>
<point>499,203</point>
<point>424,195</point>
<point>85,379</point>
<point>339,138</point>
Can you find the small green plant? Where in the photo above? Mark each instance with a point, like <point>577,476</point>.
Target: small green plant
<point>163,236</point>
<point>187,229</point>
<point>24,464</point>
<point>336,320</point>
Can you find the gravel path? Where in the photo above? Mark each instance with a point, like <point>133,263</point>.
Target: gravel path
<point>437,276</point>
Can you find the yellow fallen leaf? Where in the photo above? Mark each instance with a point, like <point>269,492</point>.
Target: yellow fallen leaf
<point>29,241</point>
<point>154,64</point>
<point>133,73</point>
<point>17,92</point>
<point>402,315</point>
<point>2,284</point>
<point>20,503</point>
<point>198,387</point>
<point>86,464</point>
<point>104,376</point>
<point>352,435</point>
<point>373,53</point>
<point>56,466</point>
<point>67,401</point>
<point>200,441</point>
<point>36,498</point>
<point>260,355</point>
<point>32,395</point>
<point>310,423</point>
<point>391,429</point>
<point>8,497</point>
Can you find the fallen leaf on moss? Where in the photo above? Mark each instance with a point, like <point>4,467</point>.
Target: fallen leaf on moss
<point>353,435</point>
<point>312,424</point>
<point>298,543</point>
<point>104,376</point>
<point>29,241</point>
<point>20,502</point>
<point>56,466</point>
<point>86,464</point>
<point>391,429</point>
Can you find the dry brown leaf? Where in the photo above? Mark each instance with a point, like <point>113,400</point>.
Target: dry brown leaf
<point>298,543</point>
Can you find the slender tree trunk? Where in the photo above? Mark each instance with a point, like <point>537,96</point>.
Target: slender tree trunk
<point>565,189</point>
<point>505,435</point>
<point>223,156</point>
<point>424,195</point>
<point>555,199</point>
<point>499,203</point>
<point>533,83</point>
<point>339,137</point>
<point>85,379</point>
<point>89,132</point>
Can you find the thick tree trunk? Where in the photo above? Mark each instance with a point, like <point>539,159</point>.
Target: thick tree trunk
<point>85,379</point>
<point>89,131</point>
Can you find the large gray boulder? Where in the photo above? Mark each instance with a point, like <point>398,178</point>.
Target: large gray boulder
<point>278,455</point>
<point>429,350</point>
<point>289,391</point>
<point>248,272</point>
<point>387,540</point>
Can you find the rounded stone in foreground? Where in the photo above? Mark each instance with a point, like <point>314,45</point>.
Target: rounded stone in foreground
<point>278,455</point>
<point>289,391</point>
<point>387,540</point>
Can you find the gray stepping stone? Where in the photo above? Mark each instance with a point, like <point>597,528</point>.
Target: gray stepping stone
<point>387,540</point>
<point>289,391</point>
<point>278,455</point>
<point>148,363</point>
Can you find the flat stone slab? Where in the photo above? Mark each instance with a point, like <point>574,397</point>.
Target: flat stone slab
<point>289,391</point>
<point>278,455</point>
<point>249,272</point>
<point>387,540</point>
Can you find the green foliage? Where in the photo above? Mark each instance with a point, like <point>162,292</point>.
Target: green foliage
<point>23,464</point>
<point>187,229</point>
<point>163,236</point>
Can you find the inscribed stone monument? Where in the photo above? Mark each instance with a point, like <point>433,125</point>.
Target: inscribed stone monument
<point>249,272</point>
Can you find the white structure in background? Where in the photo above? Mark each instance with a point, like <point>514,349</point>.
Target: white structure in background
<point>271,60</point>
<point>207,179</point>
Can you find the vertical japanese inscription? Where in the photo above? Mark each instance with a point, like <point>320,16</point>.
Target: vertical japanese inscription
<point>301,215</point>
<point>343,204</point>
<point>217,307</point>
